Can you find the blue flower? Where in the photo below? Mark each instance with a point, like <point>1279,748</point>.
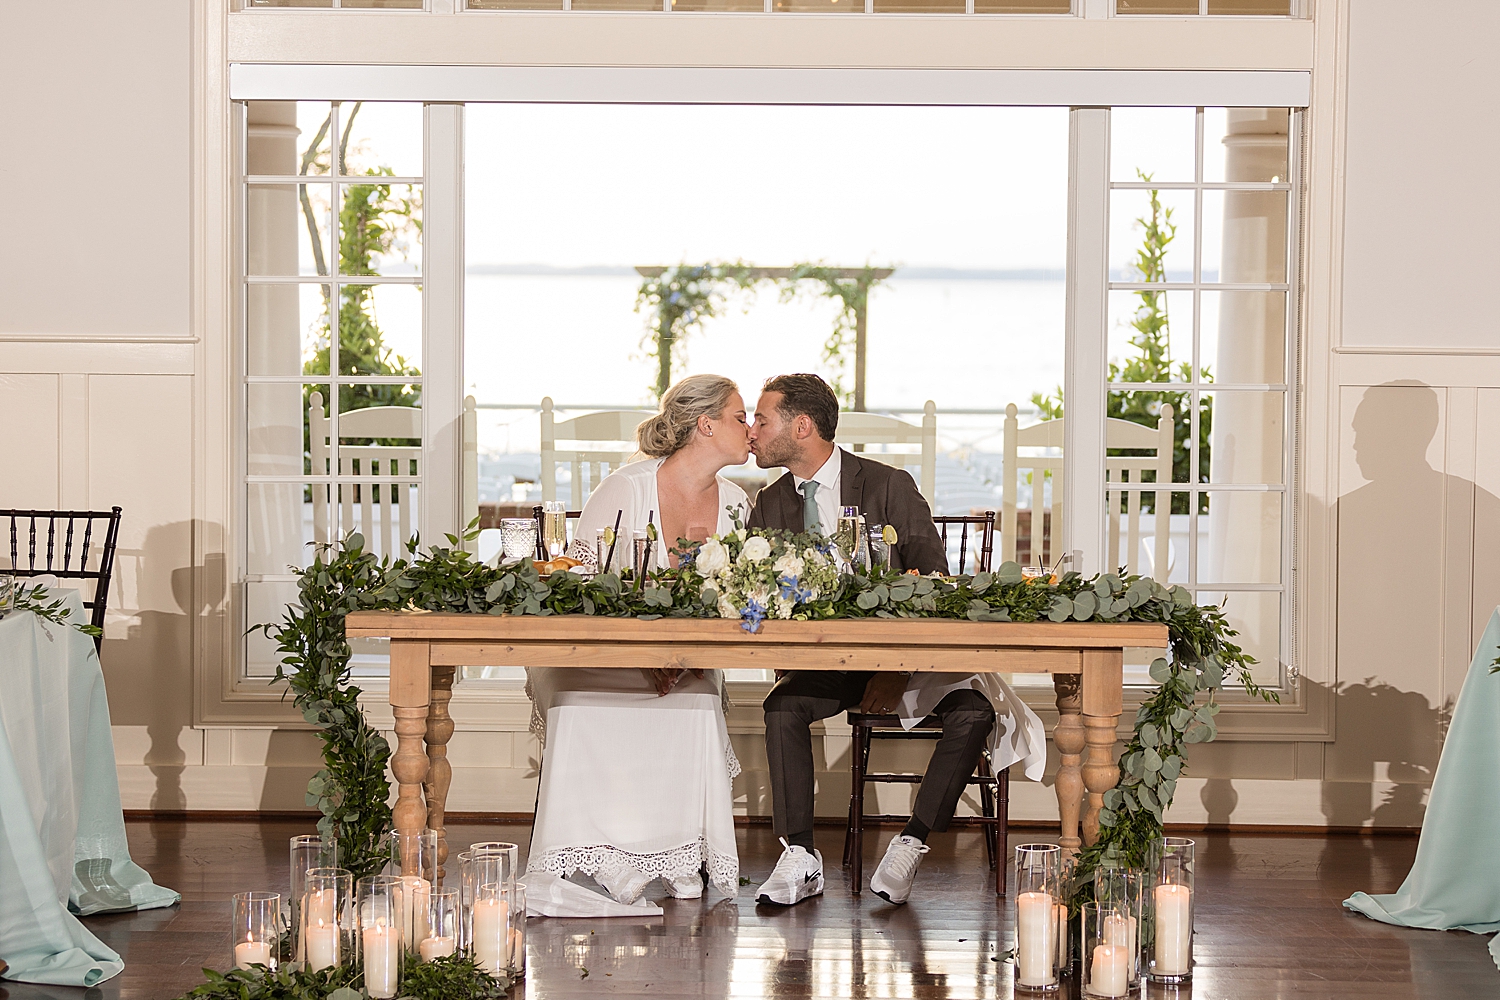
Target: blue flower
<point>753,614</point>
<point>790,589</point>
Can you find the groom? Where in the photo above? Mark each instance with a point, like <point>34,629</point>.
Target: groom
<point>795,420</point>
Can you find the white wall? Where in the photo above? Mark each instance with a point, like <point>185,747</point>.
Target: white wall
<point>113,368</point>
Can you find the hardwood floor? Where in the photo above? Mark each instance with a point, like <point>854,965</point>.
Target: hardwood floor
<point>1269,926</point>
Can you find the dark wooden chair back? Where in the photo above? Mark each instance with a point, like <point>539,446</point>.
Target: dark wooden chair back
<point>982,527</point>
<point>65,544</point>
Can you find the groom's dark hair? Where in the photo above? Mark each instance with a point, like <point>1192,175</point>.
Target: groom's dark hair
<point>807,395</point>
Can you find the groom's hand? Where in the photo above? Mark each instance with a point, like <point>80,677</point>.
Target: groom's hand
<point>883,693</point>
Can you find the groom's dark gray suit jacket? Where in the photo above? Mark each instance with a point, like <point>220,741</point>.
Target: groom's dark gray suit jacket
<point>883,494</point>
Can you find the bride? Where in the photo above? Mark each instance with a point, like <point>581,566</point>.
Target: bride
<point>636,779</point>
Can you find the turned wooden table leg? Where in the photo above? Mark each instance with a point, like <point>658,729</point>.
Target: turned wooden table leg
<point>411,683</point>
<point>1069,737</point>
<point>1103,692</point>
<point>440,772</point>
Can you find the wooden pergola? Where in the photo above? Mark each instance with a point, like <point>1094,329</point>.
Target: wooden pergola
<point>865,276</point>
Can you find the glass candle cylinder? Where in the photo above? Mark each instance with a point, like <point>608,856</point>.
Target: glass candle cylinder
<point>414,859</point>
<point>518,931</point>
<point>255,929</point>
<point>490,926</point>
<point>1105,967</point>
<point>1124,891</point>
<point>380,937</point>
<point>488,862</point>
<point>554,528</point>
<point>1172,911</point>
<point>518,538</point>
<point>307,853</point>
<point>444,924</point>
<point>1038,894</point>
<point>328,924</point>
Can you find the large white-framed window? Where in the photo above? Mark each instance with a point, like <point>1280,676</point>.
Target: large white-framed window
<point>273,472</point>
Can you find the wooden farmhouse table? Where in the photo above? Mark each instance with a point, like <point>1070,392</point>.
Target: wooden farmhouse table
<point>1084,658</point>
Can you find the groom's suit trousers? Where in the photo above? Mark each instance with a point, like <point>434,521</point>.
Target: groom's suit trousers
<point>804,696</point>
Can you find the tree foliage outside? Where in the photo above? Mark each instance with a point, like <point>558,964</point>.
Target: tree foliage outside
<point>1153,362</point>
<point>373,221</point>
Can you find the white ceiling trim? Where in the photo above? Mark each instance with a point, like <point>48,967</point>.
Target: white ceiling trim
<point>726,85</point>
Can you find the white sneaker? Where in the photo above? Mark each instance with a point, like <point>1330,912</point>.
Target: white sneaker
<point>622,881</point>
<point>797,876</point>
<point>685,886</point>
<point>892,879</point>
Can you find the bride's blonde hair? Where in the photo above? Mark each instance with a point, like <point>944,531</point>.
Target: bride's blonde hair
<point>673,426</point>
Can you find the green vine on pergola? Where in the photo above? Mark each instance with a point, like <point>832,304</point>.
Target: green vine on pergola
<point>682,298</point>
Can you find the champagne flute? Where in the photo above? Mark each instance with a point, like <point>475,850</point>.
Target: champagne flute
<point>554,528</point>
<point>851,536</point>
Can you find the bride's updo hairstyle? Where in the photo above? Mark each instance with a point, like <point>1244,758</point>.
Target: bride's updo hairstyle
<point>673,426</point>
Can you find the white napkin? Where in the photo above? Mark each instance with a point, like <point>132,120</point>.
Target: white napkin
<point>549,895</point>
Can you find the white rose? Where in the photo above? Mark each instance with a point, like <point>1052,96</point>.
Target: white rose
<point>756,549</point>
<point>760,595</point>
<point>784,608</point>
<point>727,608</point>
<point>712,557</point>
<point>789,565</point>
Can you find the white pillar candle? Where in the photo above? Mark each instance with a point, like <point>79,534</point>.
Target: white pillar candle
<point>415,893</point>
<point>1060,933</point>
<point>491,937</point>
<point>250,953</point>
<point>1121,931</point>
<point>322,945</point>
<point>1036,934</point>
<point>318,905</point>
<point>1174,930</point>
<point>1109,974</point>
<point>436,947</point>
<point>381,952</point>
<point>518,948</point>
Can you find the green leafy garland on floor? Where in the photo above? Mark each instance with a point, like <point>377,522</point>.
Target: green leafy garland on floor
<point>452,977</point>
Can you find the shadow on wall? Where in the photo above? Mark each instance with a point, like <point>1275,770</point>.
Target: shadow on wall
<point>1399,536</point>
<point>149,673</point>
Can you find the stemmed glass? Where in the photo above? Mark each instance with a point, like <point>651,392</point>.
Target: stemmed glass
<point>554,528</point>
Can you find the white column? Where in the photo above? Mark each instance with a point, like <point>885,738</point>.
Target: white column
<point>1086,360</point>
<point>1249,427</point>
<point>273,338</point>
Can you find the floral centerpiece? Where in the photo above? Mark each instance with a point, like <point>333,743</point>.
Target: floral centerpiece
<point>767,574</point>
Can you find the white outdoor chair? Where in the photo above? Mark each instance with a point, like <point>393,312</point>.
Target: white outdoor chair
<point>900,443</point>
<point>1125,484</point>
<point>596,445</point>
<point>381,502</point>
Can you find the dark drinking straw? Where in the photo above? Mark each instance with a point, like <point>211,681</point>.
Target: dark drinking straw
<point>610,558</point>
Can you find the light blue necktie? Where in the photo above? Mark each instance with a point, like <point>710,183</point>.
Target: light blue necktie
<point>810,519</point>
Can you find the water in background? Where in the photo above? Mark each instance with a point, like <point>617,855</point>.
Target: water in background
<point>963,342</point>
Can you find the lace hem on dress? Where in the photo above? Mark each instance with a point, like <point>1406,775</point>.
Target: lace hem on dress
<point>689,859</point>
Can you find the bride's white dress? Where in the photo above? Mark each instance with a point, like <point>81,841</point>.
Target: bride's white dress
<point>626,773</point>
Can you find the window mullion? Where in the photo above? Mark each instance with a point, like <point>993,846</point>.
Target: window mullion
<point>442,308</point>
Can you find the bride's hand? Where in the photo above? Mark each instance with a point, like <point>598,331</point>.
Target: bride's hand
<point>662,679</point>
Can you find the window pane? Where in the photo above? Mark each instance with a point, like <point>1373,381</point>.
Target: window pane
<point>1242,433</point>
<point>397,4</point>
<point>718,5</point>
<point>1244,236</point>
<point>1256,616</point>
<point>265,603</point>
<point>1245,144</point>
<point>286,229</point>
<point>1157,7</point>
<point>288,3</point>
<point>380,330</point>
<point>514,5</point>
<point>919,6</point>
<point>380,229</point>
<point>1150,241</point>
<point>1018,7</point>
<point>1150,336</point>
<point>1158,142</point>
<point>1239,541</point>
<point>279,523</point>
<point>312,147</point>
<point>1243,338</point>
<point>285,326</point>
<point>616,5</point>
<point>1275,7</point>
<point>820,6</point>
<point>382,136</point>
<point>276,427</point>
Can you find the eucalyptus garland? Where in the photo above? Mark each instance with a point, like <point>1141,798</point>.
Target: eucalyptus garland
<point>352,790</point>
<point>451,977</point>
<point>34,599</point>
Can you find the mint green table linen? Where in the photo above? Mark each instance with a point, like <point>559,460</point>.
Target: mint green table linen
<point>1454,884</point>
<point>62,833</point>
